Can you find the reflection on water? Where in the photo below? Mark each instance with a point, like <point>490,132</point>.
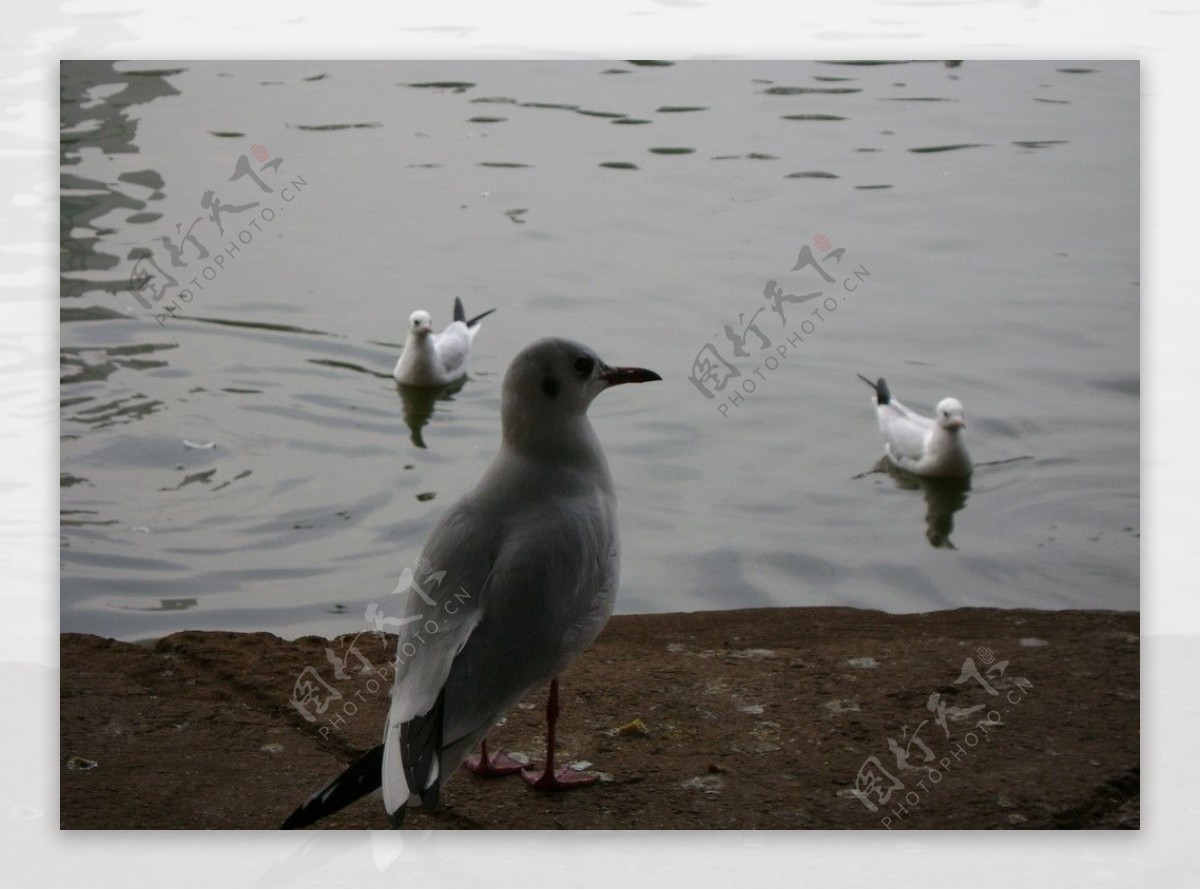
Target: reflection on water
<point>995,204</point>
<point>943,498</point>
<point>98,112</point>
<point>419,402</point>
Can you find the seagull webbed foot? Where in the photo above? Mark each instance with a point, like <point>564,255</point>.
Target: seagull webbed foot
<point>560,780</point>
<point>492,766</point>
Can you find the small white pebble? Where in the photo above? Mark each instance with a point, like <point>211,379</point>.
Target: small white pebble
<point>1032,642</point>
<point>580,765</point>
<point>865,662</point>
<point>751,653</point>
<point>841,706</point>
<point>272,748</point>
<point>708,784</point>
<point>751,709</point>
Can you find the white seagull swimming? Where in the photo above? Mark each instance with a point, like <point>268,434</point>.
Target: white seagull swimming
<point>531,560</point>
<point>431,359</point>
<point>926,446</point>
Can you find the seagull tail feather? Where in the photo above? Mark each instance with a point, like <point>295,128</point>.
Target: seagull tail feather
<point>360,778</point>
<point>421,752</point>
<point>478,318</point>
<point>460,314</point>
<point>882,394</point>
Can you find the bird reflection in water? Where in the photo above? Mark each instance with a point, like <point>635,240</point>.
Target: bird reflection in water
<point>420,402</point>
<point>943,498</point>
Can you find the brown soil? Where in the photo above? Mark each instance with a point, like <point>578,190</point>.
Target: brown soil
<point>748,719</point>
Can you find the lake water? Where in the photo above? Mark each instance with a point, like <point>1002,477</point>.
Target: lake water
<point>973,231</point>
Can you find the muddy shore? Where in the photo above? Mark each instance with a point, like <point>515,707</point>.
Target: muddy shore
<point>767,718</point>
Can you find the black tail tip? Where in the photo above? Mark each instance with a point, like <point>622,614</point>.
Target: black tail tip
<point>460,314</point>
<point>882,394</point>
<point>471,322</point>
<point>360,778</point>
<point>298,819</point>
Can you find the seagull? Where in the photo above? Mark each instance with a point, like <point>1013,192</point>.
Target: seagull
<point>527,566</point>
<point>922,445</point>
<point>432,359</point>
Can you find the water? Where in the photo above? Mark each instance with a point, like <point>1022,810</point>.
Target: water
<point>988,218</point>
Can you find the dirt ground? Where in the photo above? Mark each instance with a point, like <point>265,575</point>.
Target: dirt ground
<point>766,718</point>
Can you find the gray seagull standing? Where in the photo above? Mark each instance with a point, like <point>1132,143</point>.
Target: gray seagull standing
<point>531,559</point>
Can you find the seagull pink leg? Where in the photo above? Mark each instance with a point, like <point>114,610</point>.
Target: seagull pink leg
<point>498,764</point>
<point>564,779</point>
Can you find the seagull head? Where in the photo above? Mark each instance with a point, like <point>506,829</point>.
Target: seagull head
<point>553,381</point>
<point>420,323</point>
<point>950,415</point>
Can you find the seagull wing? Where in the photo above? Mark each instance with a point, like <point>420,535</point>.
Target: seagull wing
<point>440,613</point>
<point>453,346</point>
<point>551,593</point>
<point>904,430</point>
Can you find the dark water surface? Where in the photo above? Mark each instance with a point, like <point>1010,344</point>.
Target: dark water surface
<point>245,461</point>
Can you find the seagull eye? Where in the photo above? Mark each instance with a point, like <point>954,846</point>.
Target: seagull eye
<point>584,365</point>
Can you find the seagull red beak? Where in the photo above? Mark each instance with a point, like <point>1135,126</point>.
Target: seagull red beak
<point>617,376</point>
